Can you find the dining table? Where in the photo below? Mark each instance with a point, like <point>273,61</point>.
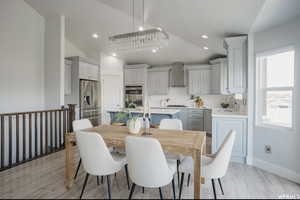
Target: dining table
<point>184,142</point>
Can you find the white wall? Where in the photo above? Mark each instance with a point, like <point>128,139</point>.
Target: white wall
<point>72,50</point>
<point>284,159</point>
<point>180,96</point>
<point>54,61</point>
<point>21,57</point>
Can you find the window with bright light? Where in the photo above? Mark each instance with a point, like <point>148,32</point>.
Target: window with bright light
<point>274,88</point>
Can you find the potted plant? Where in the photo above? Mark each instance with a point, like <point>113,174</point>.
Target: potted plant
<point>134,124</point>
<point>198,101</point>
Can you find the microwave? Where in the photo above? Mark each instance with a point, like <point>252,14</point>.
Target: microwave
<point>134,96</point>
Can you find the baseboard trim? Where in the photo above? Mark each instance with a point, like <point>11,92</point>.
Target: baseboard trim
<point>278,170</point>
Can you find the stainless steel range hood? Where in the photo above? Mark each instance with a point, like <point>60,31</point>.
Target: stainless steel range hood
<point>177,75</point>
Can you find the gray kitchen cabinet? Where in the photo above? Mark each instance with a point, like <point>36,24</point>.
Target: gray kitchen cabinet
<point>135,74</point>
<point>158,81</point>
<point>219,76</point>
<point>237,63</point>
<point>199,79</point>
<point>88,71</point>
<point>207,121</point>
<point>195,119</point>
<point>68,77</point>
<point>221,127</point>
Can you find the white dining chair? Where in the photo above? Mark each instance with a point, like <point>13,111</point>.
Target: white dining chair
<point>213,166</point>
<point>97,159</point>
<point>147,164</point>
<point>173,124</point>
<point>77,126</point>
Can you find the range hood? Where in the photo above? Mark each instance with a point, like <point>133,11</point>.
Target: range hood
<point>177,75</point>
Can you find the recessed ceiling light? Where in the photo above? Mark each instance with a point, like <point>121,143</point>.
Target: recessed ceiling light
<point>154,50</point>
<point>141,28</point>
<point>204,36</point>
<point>114,54</point>
<point>95,35</point>
<point>205,48</point>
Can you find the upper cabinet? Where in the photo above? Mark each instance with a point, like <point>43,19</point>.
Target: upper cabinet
<point>219,76</point>
<point>237,63</point>
<point>199,79</point>
<point>135,74</point>
<point>88,71</point>
<point>68,77</point>
<point>158,81</point>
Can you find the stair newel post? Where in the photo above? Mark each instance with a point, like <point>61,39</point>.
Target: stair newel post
<point>71,116</point>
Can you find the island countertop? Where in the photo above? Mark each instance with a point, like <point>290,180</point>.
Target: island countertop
<point>161,111</point>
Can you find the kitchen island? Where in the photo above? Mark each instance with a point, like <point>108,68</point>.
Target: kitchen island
<point>156,114</point>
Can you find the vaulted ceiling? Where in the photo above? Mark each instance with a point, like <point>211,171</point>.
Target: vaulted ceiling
<point>184,20</point>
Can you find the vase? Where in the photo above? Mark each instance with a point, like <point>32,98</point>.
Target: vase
<point>134,125</point>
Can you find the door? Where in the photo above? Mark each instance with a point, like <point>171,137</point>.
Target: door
<point>112,95</point>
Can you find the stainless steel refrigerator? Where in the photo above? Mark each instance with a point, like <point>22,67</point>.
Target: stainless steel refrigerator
<point>89,108</point>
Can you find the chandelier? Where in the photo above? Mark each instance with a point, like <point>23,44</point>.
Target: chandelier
<point>150,39</point>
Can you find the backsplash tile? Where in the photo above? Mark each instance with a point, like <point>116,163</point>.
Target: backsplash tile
<point>179,96</point>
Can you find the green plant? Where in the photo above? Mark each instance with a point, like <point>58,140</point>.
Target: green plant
<point>224,105</point>
<point>198,99</point>
<point>123,115</point>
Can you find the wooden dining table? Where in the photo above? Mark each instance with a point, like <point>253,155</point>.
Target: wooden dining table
<point>187,143</point>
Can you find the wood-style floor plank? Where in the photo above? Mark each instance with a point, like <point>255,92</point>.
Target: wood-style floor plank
<point>44,179</point>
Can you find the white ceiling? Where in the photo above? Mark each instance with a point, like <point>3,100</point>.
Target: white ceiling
<point>276,12</point>
<point>184,20</point>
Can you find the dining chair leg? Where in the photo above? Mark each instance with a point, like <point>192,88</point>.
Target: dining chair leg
<point>131,191</point>
<point>102,180</point>
<point>188,182</point>
<point>214,189</point>
<point>98,183</point>
<point>77,170</point>
<point>126,171</point>
<point>160,193</point>
<point>181,184</point>
<point>173,186</point>
<point>84,184</point>
<point>108,186</point>
<point>178,163</point>
<point>219,180</point>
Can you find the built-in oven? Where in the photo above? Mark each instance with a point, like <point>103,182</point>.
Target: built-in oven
<point>134,96</point>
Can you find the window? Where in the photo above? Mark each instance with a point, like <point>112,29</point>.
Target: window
<point>274,88</point>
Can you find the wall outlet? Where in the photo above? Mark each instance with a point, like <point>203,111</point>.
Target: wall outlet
<point>268,149</point>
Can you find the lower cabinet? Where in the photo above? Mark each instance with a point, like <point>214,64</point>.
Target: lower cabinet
<point>221,127</point>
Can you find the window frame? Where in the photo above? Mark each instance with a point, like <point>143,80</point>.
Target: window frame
<point>261,90</point>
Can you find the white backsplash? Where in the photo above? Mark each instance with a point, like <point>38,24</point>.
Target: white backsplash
<point>180,96</point>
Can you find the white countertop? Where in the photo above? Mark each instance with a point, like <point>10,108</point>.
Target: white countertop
<point>165,111</point>
<point>179,108</point>
<point>229,114</point>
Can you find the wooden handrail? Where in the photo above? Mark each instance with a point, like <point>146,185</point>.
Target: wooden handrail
<point>33,134</point>
<point>32,112</point>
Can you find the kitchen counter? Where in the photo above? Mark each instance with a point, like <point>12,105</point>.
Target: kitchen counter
<point>156,114</point>
<point>162,111</point>
<point>229,114</point>
<point>179,108</point>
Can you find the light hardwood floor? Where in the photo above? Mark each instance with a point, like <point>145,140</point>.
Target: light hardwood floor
<point>44,178</point>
